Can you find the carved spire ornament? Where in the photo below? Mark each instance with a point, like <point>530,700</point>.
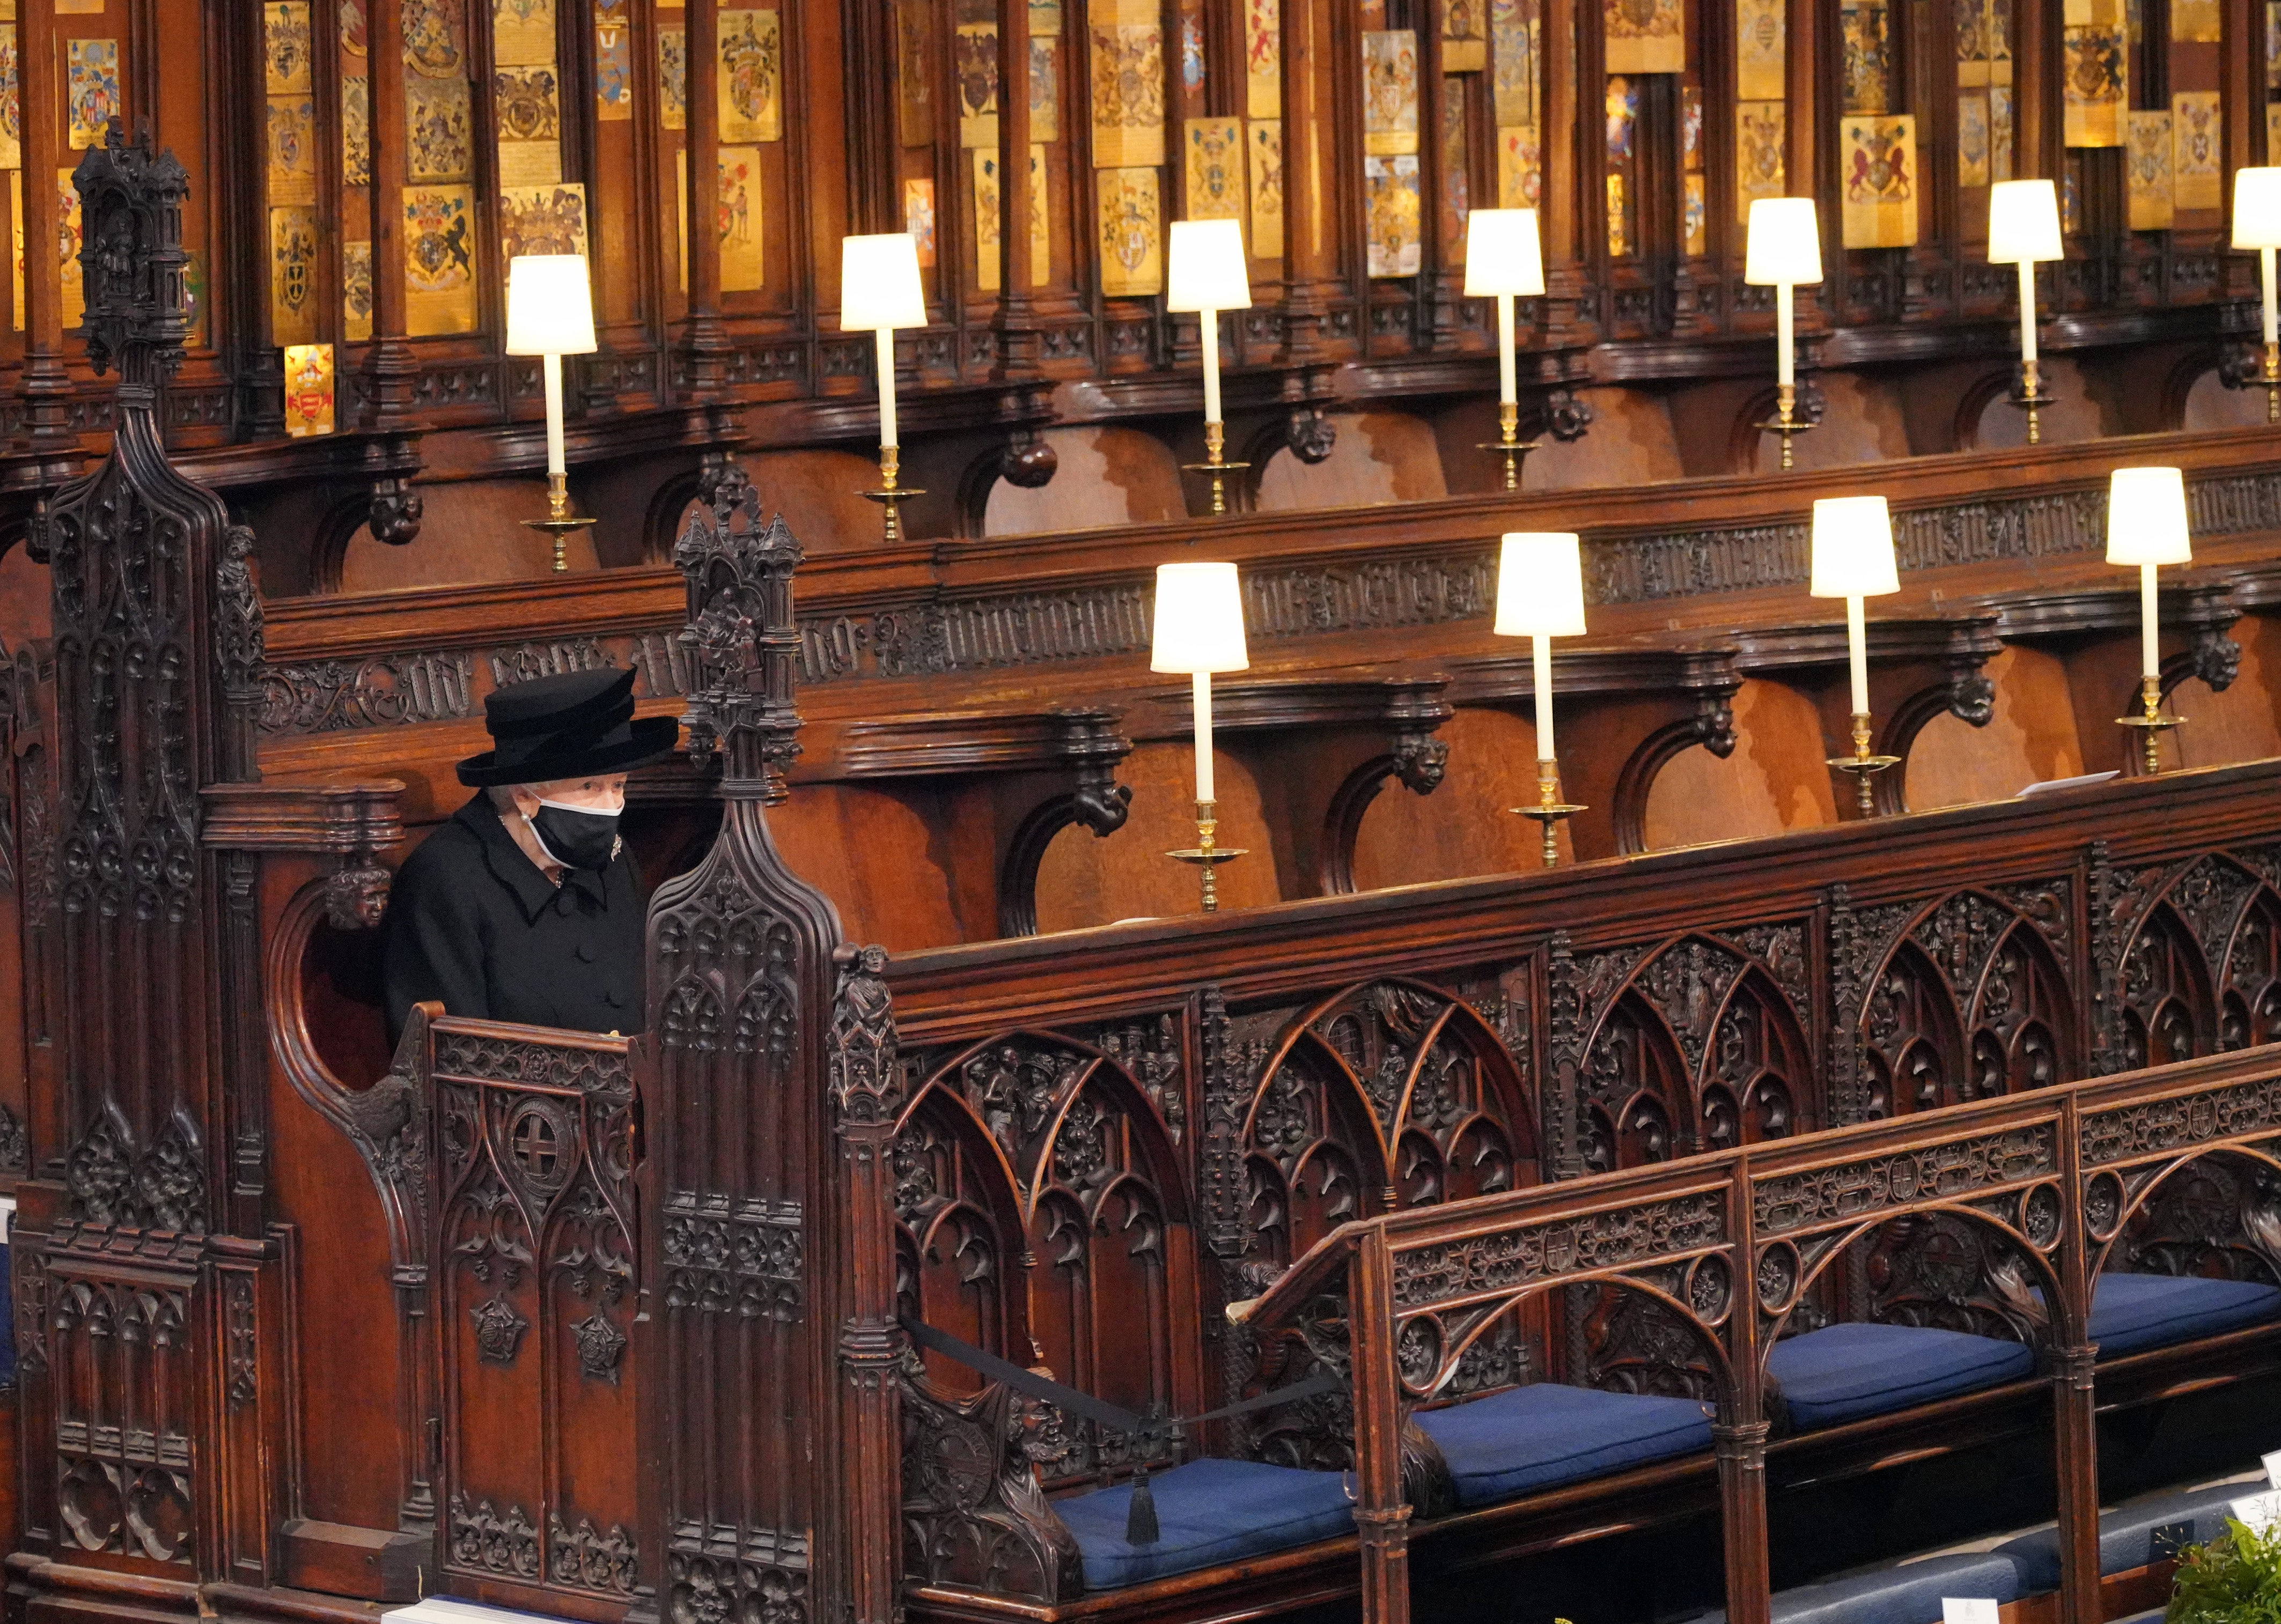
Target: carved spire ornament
<point>772,1085</point>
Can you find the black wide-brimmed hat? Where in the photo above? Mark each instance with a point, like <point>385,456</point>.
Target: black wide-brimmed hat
<point>566,727</point>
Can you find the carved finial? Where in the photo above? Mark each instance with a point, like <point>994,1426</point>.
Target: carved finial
<point>131,256</point>
<point>743,644</point>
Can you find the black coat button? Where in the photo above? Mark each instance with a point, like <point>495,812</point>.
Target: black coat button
<point>613,998</point>
<point>585,952</point>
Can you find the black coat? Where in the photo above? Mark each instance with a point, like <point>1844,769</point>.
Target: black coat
<point>475,926</point>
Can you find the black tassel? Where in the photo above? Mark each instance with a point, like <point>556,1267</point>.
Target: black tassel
<point>1140,1519</point>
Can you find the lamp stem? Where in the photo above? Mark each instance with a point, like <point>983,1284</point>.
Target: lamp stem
<point>1539,658</point>
<point>551,370</point>
<point>2150,650</point>
<point>1508,383</point>
<point>1208,336</point>
<point>2027,310</point>
<point>1857,653</point>
<point>1200,692</point>
<point>1785,337</point>
<point>886,368</point>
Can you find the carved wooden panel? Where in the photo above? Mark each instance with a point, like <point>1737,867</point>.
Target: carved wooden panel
<point>534,1282</point>
<point>1040,1194</point>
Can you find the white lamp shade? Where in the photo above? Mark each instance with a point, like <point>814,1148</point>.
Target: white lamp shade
<point>1784,248</point>
<point>2147,517</point>
<point>2257,208</point>
<point>1854,548</point>
<point>1502,253</point>
<point>879,282</point>
<point>2023,223</point>
<point>1198,620</point>
<point>550,306</point>
<point>1207,271</point>
<point>1541,586</point>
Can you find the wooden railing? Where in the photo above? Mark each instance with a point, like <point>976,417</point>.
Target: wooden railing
<point>1253,1078</point>
<point>1731,1244</point>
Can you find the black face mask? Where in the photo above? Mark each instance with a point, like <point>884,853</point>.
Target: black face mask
<point>574,837</point>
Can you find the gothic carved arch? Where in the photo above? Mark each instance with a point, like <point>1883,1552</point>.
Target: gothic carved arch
<point>1711,726</point>
<point>1658,1336</point>
<point>1758,1080</point>
<point>959,1225</point>
<point>1081,1215</point>
<point>2168,1008</point>
<point>2200,969</point>
<point>2249,990</point>
<point>1913,1044</point>
<point>1970,1000</point>
<point>386,1119</point>
<point>1638,1108</point>
<point>1429,1098</point>
<point>2213,1213</point>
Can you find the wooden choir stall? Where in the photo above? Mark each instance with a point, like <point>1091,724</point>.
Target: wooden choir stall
<point>1055,1171</point>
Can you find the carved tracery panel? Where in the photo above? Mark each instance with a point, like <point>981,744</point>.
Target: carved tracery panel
<point>2168,1011</point>
<point>1042,1213</point>
<point>1702,1048</point>
<point>1390,1094</point>
<point>1964,1000</point>
<point>533,1295</point>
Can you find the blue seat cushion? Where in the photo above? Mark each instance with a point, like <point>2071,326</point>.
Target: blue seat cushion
<point>1208,1511</point>
<point>1908,1594</point>
<point>2129,1312</point>
<point>1844,1371</point>
<point>2126,1534</point>
<point>1534,1437</point>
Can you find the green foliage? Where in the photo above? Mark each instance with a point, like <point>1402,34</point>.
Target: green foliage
<point>2235,1579</point>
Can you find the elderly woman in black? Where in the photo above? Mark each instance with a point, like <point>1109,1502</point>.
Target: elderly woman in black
<point>525,906</point>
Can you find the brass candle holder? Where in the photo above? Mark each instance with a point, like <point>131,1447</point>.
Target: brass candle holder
<point>1206,855</point>
<point>1509,444</point>
<point>1861,766</point>
<point>2270,377</point>
<point>2031,397</point>
<point>1786,421</point>
<point>1550,810</point>
<point>2150,723</point>
<point>560,523</point>
<point>890,496</point>
<point>1219,467</point>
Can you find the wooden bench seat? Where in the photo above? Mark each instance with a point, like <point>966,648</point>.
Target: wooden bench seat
<point>1524,1455</point>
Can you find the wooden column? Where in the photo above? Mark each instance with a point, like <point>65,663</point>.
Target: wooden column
<point>1310,165</point>
<point>45,381</point>
<point>1738,1439</point>
<point>868,71</point>
<point>390,367</point>
<point>866,1085</point>
<point>1563,173</point>
<point>2074,1423</point>
<point>2036,46</point>
<point>1802,87</point>
<point>2241,73</point>
<point>1381,1516</point>
<point>1018,343</point>
<point>704,339</point>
